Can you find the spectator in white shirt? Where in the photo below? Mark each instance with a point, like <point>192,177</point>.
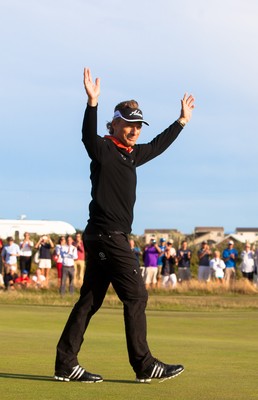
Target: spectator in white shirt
<point>26,247</point>
<point>9,255</point>
<point>38,279</point>
<point>247,264</point>
<point>68,254</point>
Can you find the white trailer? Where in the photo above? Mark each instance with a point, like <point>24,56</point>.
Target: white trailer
<point>12,227</point>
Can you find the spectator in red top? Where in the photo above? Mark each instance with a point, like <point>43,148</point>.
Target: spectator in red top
<point>23,281</point>
<point>79,264</point>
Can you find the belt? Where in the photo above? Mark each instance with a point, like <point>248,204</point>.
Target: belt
<point>117,233</point>
<point>95,236</point>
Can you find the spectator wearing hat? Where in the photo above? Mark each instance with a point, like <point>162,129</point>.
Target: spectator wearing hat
<point>171,248</point>
<point>23,281</point>
<point>204,254</point>
<point>9,255</point>
<point>229,256</point>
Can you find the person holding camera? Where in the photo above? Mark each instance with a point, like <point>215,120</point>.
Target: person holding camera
<point>45,245</point>
<point>26,247</point>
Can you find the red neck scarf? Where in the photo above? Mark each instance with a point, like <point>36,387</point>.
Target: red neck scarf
<point>119,144</point>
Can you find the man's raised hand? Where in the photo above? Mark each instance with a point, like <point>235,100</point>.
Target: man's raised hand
<point>92,88</point>
<point>187,106</point>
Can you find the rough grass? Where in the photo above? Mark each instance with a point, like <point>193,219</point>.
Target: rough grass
<point>187,296</point>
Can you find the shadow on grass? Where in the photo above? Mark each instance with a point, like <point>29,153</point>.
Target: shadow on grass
<point>29,377</point>
<point>120,381</point>
<point>51,378</point>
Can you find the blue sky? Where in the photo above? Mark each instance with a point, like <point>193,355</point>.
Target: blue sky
<point>153,52</point>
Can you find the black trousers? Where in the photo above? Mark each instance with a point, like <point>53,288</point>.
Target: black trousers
<point>109,260</point>
<point>25,264</point>
<point>248,275</point>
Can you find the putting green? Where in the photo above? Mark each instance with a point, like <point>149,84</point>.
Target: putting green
<point>217,348</point>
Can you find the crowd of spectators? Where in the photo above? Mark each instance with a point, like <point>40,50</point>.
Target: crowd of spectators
<point>16,261</point>
<point>27,264</point>
<point>165,266</point>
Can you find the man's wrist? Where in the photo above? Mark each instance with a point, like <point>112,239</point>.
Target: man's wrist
<point>182,121</point>
<point>92,102</point>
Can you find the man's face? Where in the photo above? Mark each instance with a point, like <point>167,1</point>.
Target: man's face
<point>126,132</point>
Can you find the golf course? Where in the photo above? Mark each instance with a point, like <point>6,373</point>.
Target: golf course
<point>218,347</point>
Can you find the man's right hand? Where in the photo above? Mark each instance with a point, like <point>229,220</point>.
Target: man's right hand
<point>92,89</point>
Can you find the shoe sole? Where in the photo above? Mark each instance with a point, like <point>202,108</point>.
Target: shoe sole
<point>63,379</point>
<point>160,380</point>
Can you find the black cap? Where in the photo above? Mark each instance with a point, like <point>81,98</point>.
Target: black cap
<point>130,115</point>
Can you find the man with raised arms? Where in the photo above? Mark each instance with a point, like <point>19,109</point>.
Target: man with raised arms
<point>114,159</point>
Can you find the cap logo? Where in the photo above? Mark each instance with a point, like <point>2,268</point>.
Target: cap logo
<point>137,113</point>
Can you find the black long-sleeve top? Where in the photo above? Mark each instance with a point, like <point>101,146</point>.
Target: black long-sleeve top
<point>113,174</point>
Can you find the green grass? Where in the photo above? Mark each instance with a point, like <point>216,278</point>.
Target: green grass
<point>217,348</point>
